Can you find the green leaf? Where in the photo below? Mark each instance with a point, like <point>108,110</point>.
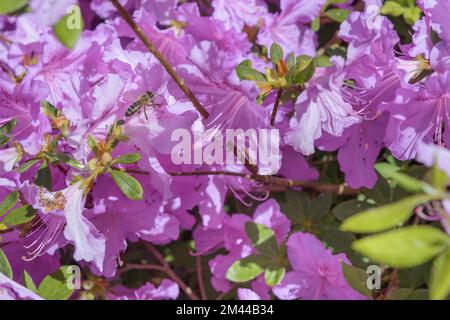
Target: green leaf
<point>262,238</point>
<point>411,184</point>
<point>9,202</point>
<point>128,158</point>
<point>93,144</point>
<point>55,285</point>
<point>11,6</point>
<point>276,53</point>
<point>440,277</point>
<point>19,216</point>
<point>324,61</point>
<point>295,205</point>
<point>414,277</point>
<point>392,8</point>
<point>69,28</point>
<point>338,15</point>
<point>245,72</point>
<point>65,158</point>
<point>291,61</point>
<point>420,294</point>
<point>385,217</point>
<point>304,70</point>
<point>247,269</point>
<point>437,177</point>
<point>336,1</point>
<point>27,165</point>
<point>357,279</point>
<point>44,176</point>
<point>381,193</point>
<point>315,24</point>
<point>320,206</point>
<point>411,15</point>
<point>28,281</point>
<point>349,208</point>
<point>403,248</point>
<point>5,267</point>
<point>49,109</point>
<point>400,294</point>
<point>274,274</point>
<point>128,185</point>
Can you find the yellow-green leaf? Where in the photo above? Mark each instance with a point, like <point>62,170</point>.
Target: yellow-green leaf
<point>403,248</point>
<point>440,277</point>
<point>385,217</point>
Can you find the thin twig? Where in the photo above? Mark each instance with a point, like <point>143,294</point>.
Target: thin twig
<point>158,55</point>
<point>341,189</point>
<point>277,181</point>
<point>201,284</point>
<point>275,107</point>
<point>168,270</point>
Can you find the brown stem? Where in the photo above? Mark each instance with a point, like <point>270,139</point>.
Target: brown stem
<point>392,285</point>
<point>165,63</point>
<point>201,283</point>
<point>341,190</point>
<point>275,107</point>
<point>168,270</point>
<point>277,181</point>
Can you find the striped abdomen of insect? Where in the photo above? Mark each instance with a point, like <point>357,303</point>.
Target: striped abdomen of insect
<point>144,100</point>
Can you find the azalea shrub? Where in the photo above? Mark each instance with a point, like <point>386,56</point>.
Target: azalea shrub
<point>224,149</point>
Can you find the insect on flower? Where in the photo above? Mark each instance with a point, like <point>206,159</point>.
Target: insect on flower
<point>145,100</point>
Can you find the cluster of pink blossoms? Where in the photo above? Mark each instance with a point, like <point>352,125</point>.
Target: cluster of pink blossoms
<point>66,140</point>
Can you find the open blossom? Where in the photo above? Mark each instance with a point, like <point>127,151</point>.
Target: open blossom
<point>317,273</point>
<point>91,139</point>
<point>236,241</point>
<point>63,211</point>
<point>8,158</point>
<point>424,120</point>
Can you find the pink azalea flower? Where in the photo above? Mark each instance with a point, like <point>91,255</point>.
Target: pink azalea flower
<point>11,290</point>
<point>167,290</point>
<point>63,210</point>
<point>317,273</point>
<point>8,158</point>
<point>47,13</point>
<point>438,11</point>
<point>237,13</point>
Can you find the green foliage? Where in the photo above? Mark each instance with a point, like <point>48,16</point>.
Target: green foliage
<point>67,29</point>
<point>5,267</point>
<point>405,8</point>
<point>289,75</point>
<point>127,158</point>
<point>262,238</point>
<point>9,202</point>
<point>267,261</point>
<point>403,248</point>
<point>19,216</point>
<point>11,6</point>
<point>245,71</point>
<point>130,187</point>
<point>338,15</point>
<point>28,281</point>
<point>276,54</point>
<point>357,279</point>
<point>274,274</point>
<point>248,268</point>
<point>385,217</point>
<point>55,286</point>
<point>440,278</point>
<point>44,176</point>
